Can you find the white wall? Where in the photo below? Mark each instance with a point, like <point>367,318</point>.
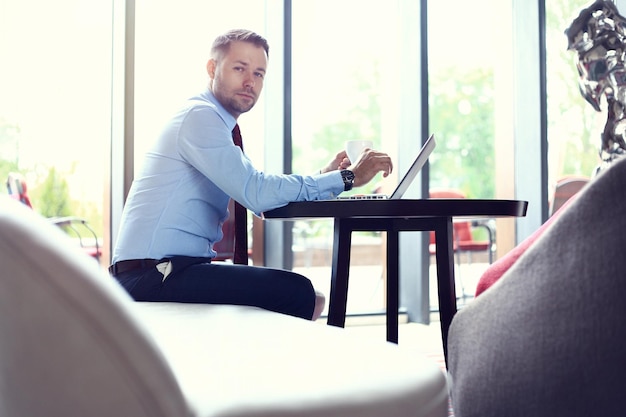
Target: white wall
<point>621,6</point>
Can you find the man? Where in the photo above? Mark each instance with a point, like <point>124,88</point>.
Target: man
<point>178,203</point>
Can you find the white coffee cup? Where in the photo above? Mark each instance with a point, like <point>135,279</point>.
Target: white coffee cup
<point>355,147</point>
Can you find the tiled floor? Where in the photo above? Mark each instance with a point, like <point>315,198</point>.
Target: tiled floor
<point>366,295</point>
<point>366,291</point>
<point>420,337</point>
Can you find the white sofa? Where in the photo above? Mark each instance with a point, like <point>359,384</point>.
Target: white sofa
<point>73,343</point>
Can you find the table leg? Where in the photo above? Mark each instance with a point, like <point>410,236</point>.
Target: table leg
<point>393,290</point>
<point>445,277</point>
<point>340,271</point>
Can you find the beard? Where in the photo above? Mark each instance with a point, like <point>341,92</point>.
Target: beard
<point>233,102</point>
<point>239,106</point>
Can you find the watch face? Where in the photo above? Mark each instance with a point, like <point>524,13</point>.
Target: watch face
<point>348,179</point>
<point>347,175</point>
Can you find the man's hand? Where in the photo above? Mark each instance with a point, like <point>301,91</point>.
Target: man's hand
<point>340,161</point>
<point>365,168</point>
<point>369,164</point>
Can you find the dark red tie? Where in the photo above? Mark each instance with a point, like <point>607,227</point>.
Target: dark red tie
<point>241,218</point>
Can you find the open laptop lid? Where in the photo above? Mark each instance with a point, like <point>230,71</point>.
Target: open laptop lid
<point>416,167</point>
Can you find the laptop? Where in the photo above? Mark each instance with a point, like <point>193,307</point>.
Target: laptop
<point>408,178</point>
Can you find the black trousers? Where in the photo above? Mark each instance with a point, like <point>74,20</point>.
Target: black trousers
<point>197,280</point>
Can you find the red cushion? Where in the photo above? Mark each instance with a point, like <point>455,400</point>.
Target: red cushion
<point>499,267</point>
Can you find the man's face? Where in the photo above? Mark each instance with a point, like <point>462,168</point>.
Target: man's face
<point>237,77</point>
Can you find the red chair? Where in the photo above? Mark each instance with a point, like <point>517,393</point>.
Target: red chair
<point>464,241</point>
<point>566,187</point>
<point>17,189</point>
<point>225,248</point>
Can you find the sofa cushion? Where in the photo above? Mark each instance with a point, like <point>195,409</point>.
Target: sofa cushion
<point>243,361</point>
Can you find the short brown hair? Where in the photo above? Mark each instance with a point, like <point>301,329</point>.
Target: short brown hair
<point>222,43</point>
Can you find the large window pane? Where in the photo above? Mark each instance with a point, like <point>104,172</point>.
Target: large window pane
<point>347,65</point>
<point>470,109</point>
<point>573,126</point>
<point>55,89</point>
<point>465,51</point>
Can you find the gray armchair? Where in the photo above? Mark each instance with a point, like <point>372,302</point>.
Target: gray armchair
<point>549,338</point>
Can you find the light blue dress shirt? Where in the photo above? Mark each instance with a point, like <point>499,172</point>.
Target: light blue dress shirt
<point>178,202</point>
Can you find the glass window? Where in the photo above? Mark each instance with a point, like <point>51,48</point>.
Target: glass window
<point>464,55</point>
<point>55,101</point>
<point>574,128</point>
<point>347,83</point>
<point>470,92</point>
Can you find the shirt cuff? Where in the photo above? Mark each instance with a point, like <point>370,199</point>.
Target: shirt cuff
<point>330,185</point>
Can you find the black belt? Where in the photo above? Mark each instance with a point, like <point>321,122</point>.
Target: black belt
<point>131,265</point>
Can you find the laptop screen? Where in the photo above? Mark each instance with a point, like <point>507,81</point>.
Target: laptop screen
<point>415,168</point>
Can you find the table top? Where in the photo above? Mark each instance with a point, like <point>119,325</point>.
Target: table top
<point>404,208</point>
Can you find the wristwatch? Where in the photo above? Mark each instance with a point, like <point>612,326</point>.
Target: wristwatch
<point>348,179</point>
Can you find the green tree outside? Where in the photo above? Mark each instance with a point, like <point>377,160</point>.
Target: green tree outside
<point>461,111</point>
<point>52,196</point>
